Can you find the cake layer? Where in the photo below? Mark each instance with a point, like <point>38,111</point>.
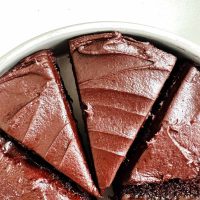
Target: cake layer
<point>171,190</point>
<point>35,112</point>
<point>119,79</point>
<point>174,152</point>
<point>21,179</point>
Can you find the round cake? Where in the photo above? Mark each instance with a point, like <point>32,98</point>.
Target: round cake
<point>141,110</point>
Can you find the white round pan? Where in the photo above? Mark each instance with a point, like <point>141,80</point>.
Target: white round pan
<point>57,39</point>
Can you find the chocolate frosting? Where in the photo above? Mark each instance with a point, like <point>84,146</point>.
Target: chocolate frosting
<point>22,179</point>
<point>119,79</point>
<point>175,150</point>
<point>35,112</point>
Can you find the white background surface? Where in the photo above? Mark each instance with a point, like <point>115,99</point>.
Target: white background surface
<point>23,19</point>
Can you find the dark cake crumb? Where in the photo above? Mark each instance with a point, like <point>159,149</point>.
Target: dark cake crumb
<point>171,190</point>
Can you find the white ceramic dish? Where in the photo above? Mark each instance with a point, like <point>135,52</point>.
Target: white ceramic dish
<point>57,40</point>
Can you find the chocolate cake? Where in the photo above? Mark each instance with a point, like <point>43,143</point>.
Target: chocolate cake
<point>35,112</point>
<point>119,79</point>
<point>170,166</point>
<point>21,179</point>
<point>136,105</point>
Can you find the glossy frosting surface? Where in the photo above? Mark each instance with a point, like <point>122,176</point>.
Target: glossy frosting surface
<point>175,150</point>
<point>119,79</point>
<point>35,112</point>
<point>21,179</point>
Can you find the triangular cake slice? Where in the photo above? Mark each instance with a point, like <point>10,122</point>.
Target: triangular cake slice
<point>174,153</point>
<point>119,79</point>
<point>23,179</point>
<point>35,112</point>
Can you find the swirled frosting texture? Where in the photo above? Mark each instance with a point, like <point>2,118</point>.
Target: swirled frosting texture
<point>119,79</point>
<point>175,150</point>
<point>35,112</point>
<point>21,179</point>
